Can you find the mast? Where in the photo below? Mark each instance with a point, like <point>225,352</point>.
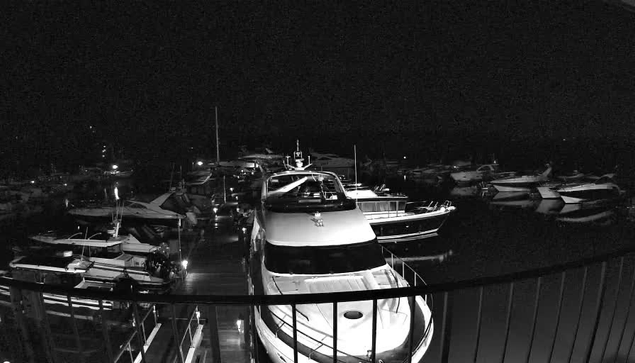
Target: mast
<point>217,145</point>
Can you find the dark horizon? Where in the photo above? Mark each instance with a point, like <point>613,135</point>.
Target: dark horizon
<point>405,78</point>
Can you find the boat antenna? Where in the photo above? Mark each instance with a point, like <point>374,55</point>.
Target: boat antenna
<point>217,145</point>
<point>355,156</point>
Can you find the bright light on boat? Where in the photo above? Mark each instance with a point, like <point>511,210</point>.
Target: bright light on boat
<point>239,324</point>
<point>184,263</point>
<point>231,189</point>
<point>115,166</point>
<point>32,181</point>
<point>215,210</point>
<point>116,193</point>
<point>244,229</point>
<point>199,163</point>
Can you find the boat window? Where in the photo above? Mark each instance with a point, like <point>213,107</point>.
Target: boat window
<point>135,205</point>
<point>323,260</point>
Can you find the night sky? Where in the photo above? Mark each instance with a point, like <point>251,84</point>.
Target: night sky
<point>148,75</point>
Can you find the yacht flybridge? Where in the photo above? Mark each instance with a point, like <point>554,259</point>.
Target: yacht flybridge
<point>309,237</point>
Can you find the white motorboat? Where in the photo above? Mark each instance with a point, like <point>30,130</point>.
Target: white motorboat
<point>602,188</point>
<point>129,243</point>
<point>61,269</point>
<point>485,172</point>
<point>152,212</point>
<point>549,188</point>
<point>318,241</point>
<point>521,183</point>
<point>109,263</point>
<point>396,219</point>
<point>330,161</point>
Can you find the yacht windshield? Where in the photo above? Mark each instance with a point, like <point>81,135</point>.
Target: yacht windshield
<point>319,192</point>
<point>323,260</point>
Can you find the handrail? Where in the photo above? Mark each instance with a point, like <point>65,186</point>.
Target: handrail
<point>322,297</point>
<point>322,344</point>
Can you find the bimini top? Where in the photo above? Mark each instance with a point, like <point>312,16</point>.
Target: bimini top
<point>305,191</point>
<point>317,228</point>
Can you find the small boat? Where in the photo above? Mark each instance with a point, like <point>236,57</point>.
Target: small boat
<point>60,269</point>
<point>151,272</point>
<point>484,172</point>
<point>308,241</point>
<point>129,243</point>
<point>396,219</point>
<point>330,161</point>
<point>152,212</point>
<point>521,183</point>
<point>602,188</point>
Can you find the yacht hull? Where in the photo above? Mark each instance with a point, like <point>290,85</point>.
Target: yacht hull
<point>408,227</point>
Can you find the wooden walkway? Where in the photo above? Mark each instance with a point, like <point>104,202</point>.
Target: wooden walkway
<point>215,267</point>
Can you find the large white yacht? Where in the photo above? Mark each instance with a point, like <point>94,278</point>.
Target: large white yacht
<point>309,237</point>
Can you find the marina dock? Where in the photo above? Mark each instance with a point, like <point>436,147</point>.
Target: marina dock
<point>215,267</point>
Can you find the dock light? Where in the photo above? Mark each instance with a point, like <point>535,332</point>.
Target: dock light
<point>116,193</point>
<point>199,163</point>
<point>239,324</point>
<point>404,157</point>
<point>115,166</point>
<point>184,263</point>
<point>215,210</point>
<point>244,229</point>
<point>231,189</point>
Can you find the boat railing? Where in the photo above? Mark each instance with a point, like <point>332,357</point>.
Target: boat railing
<point>144,329</point>
<point>406,271</point>
<point>320,344</point>
<point>192,334</point>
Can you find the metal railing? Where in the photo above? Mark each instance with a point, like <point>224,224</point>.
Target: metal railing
<point>573,312</point>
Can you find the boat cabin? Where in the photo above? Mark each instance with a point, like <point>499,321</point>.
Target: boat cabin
<point>61,269</point>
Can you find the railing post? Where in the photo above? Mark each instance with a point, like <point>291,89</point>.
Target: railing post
<point>510,306</point>
<point>25,337</point>
<point>295,332</point>
<point>212,321</point>
<point>534,318</point>
<point>626,316</point>
<point>78,339</point>
<point>563,278</point>
<point>142,343</point>
<point>446,327</point>
<point>580,306</point>
<point>617,294</point>
<point>479,319</point>
<point>175,332</point>
<point>373,350</point>
<point>335,318</point>
<point>104,330</point>
<point>413,303</point>
<point>598,311</point>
